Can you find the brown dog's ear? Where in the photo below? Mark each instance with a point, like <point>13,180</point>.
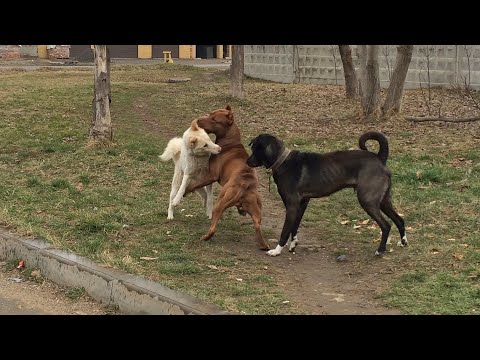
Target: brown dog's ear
<point>228,107</point>
<point>192,141</point>
<point>195,125</point>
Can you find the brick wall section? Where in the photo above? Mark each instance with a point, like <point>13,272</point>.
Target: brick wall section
<point>321,64</point>
<point>9,51</point>
<point>59,52</point>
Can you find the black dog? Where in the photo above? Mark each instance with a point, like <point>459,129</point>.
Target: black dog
<point>303,175</point>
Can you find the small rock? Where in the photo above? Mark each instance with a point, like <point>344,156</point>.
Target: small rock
<point>342,258</point>
<point>178,80</point>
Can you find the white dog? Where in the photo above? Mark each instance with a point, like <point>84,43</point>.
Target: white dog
<point>191,155</point>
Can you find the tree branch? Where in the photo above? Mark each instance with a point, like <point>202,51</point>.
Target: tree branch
<point>427,118</point>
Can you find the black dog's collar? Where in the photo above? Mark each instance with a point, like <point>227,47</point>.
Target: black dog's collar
<point>280,160</point>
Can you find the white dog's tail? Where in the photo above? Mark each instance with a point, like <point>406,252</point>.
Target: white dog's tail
<point>173,149</point>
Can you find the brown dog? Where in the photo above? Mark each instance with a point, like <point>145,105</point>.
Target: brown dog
<point>229,168</point>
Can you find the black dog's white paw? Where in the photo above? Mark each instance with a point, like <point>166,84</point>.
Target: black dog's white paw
<point>275,252</point>
<point>403,242</point>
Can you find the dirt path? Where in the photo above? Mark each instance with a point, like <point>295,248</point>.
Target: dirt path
<point>20,296</point>
<point>314,281</point>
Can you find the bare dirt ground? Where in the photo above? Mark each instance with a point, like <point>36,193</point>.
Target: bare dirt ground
<point>313,278</point>
<point>21,296</point>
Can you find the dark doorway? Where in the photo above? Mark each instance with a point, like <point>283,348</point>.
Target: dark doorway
<point>206,51</point>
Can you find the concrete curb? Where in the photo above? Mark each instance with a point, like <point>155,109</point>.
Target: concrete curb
<point>131,293</point>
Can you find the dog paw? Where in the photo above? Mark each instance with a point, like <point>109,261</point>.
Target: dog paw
<point>206,237</point>
<point>275,252</point>
<point>378,253</point>
<point>293,244</point>
<point>170,217</point>
<point>402,242</point>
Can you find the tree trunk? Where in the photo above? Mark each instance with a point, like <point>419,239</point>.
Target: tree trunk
<point>237,71</point>
<point>101,127</point>
<point>371,95</point>
<point>108,76</point>
<point>362,69</point>
<point>393,102</point>
<point>348,71</point>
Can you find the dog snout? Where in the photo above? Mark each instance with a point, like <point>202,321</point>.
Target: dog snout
<point>219,148</point>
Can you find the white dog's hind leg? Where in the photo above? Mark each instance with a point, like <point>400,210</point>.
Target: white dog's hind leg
<point>209,191</point>
<point>203,193</point>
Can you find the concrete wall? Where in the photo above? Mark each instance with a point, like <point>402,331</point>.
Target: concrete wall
<point>270,62</point>
<point>321,64</point>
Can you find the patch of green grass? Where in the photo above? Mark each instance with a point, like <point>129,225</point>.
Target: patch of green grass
<point>60,184</point>
<point>439,293</point>
<point>75,294</point>
<point>33,181</point>
<point>84,179</point>
<point>115,208</point>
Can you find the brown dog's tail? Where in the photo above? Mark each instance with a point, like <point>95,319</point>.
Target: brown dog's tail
<point>382,140</point>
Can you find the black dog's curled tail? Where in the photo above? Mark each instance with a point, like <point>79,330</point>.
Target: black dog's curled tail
<point>382,140</point>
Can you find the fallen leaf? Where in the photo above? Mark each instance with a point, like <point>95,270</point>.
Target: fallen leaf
<point>239,280</point>
<point>473,276</point>
<point>409,228</point>
<point>451,239</point>
<point>433,202</point>
<point>169,232</point>
<point>265,267</point>
<point>458,256</point>
<point>344,222</point>
<point>213,267</point>
<point>155,251</point>
<point>148,258</point>
<point>465,245</point>
<point>356,226</point>
<point>14,279</point>
<point>365,222</point>
<point>188,215</point>
<point>285,302</point>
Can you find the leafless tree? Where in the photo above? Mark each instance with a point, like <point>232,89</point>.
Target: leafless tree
<point>237,71</point>
<point>334,53</point>
<point>348,71</point>
<point>370,81</point>
<point>101,126</point>
<point>393,100</point>
<point>427,53</point>
<point>386,55</point>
